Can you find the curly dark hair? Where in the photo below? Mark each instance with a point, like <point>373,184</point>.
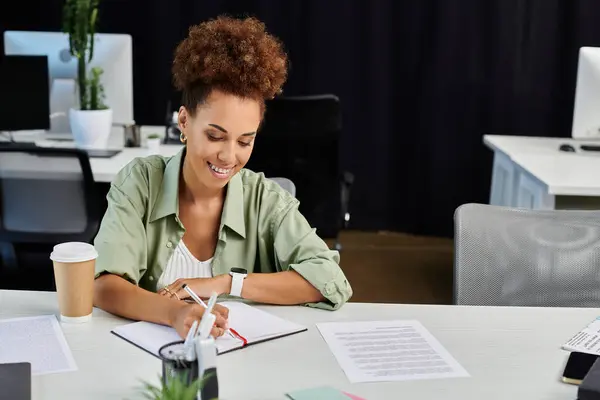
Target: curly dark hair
<point>236,56</point>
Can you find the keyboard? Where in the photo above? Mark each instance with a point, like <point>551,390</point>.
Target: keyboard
<point>590,147</point>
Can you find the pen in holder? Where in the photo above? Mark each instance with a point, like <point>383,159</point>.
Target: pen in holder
<point>175,364</point>
<point>206,353</point>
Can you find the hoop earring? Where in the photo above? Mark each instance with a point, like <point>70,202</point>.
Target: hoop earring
<point>182,137</point>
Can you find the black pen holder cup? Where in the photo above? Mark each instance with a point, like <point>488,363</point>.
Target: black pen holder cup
<point>175,365</point>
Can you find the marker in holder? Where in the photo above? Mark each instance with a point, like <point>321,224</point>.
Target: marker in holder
<point>206,352</point>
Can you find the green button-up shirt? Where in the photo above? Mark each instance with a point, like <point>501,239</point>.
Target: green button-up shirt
<point>261,230</point>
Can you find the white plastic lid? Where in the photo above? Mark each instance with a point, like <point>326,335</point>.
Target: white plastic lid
<point>76,320</point>
<point>72,252</point>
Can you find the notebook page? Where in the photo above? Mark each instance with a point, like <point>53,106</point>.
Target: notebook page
<point>255,324</point>
<point>248,321</point>
<point>150,337</point>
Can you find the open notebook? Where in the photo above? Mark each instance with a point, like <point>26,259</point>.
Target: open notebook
<point>253,324</point>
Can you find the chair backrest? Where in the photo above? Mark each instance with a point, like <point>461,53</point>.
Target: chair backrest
<point>286,184</point>
<point>518,257</point>
<point>293,130</point>
<point>47,195</point>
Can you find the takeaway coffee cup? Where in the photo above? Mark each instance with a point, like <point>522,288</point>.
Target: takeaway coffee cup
<point>74,264</point>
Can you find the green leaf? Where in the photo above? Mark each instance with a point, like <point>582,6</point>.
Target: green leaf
<point>92,32</point>
<point>175,389</point>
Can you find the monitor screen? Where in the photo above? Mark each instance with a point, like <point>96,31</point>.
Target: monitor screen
<point>586,119</point>
<point>24,93</point>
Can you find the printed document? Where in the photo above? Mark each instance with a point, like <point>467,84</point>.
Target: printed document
<point>376,351</point>
<point>37,340</point>
<point>587,340</point>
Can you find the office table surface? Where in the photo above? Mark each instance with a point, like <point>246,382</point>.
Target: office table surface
<point>510,353</point>
<point>510,144</point>
<point>564,173</point>
<point>105,169</point>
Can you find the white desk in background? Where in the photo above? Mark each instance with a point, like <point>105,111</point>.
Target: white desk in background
<point>510,353</point>
<point>531,172</point>
<point>105,169</point>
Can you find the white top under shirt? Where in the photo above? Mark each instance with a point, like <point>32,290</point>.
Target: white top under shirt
<point>183,264</point>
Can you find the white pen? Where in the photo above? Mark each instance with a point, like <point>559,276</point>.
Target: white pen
<point>203,304</point>
<point>194,295</point>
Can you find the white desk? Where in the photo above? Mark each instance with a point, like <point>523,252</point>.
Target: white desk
<point>510,353</point>
<point>105,169</point>
<point>530,172</point>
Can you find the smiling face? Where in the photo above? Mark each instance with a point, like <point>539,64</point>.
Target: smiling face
<point>220,137</point>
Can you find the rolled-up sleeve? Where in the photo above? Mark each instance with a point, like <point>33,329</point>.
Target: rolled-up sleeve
<point>298,247</point>
<point>120,241</point>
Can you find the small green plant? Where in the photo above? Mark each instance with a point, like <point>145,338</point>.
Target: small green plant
<point>154,136</point>
<point>175,389</point>
<point>95,97</point>
<point>79,22</point>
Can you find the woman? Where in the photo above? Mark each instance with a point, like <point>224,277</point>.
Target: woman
<point>199,218</point>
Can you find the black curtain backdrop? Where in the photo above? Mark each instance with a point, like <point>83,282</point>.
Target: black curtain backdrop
<point>420,82</point>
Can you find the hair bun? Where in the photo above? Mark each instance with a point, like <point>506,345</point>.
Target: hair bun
<point>234,55</point>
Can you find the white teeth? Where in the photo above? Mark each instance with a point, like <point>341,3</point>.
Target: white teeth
<point>219,170</point>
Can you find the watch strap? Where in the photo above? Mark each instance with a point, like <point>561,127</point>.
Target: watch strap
<point>237,281</point>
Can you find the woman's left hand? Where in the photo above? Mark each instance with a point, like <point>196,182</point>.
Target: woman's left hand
<point>203,287</point>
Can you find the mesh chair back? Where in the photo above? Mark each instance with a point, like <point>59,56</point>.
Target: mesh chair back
<point>518,257</point>
<point>46,195</point>
<point>286,184</point>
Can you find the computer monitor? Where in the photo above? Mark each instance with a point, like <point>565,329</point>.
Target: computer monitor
<point>586,112</point>
<point>24,92</point>
<point>112,53</point>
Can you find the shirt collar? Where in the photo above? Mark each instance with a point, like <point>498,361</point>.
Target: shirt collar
<point>167,202</point>
<point>233,209</point>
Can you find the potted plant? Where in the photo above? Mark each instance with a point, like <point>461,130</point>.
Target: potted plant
<point>153,143</point>
<point>174,389</point>
<point>91,123</point>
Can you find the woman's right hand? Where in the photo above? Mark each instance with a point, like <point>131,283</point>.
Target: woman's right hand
<point>185,315</point>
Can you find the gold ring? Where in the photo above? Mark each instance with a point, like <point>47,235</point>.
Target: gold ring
<point>166,289</point>
<point>175,294</point>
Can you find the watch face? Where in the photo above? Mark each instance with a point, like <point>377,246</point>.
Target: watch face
<point>237,270</point>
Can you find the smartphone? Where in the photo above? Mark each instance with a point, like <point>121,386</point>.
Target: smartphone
<point>577,367</point>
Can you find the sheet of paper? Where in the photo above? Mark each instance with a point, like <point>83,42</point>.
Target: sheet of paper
<point>250,322</point>
<point>587,340</point>
<point>37,340</point>
<point>377,351</point>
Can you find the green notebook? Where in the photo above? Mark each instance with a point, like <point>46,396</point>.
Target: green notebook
<point>318,393</point>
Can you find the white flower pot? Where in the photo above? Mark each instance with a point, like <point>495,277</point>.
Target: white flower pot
<point>153,145</point>
<point>90,128</point>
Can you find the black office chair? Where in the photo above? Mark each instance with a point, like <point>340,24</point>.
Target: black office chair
<point>299,139</point>
<point>47,196</point>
